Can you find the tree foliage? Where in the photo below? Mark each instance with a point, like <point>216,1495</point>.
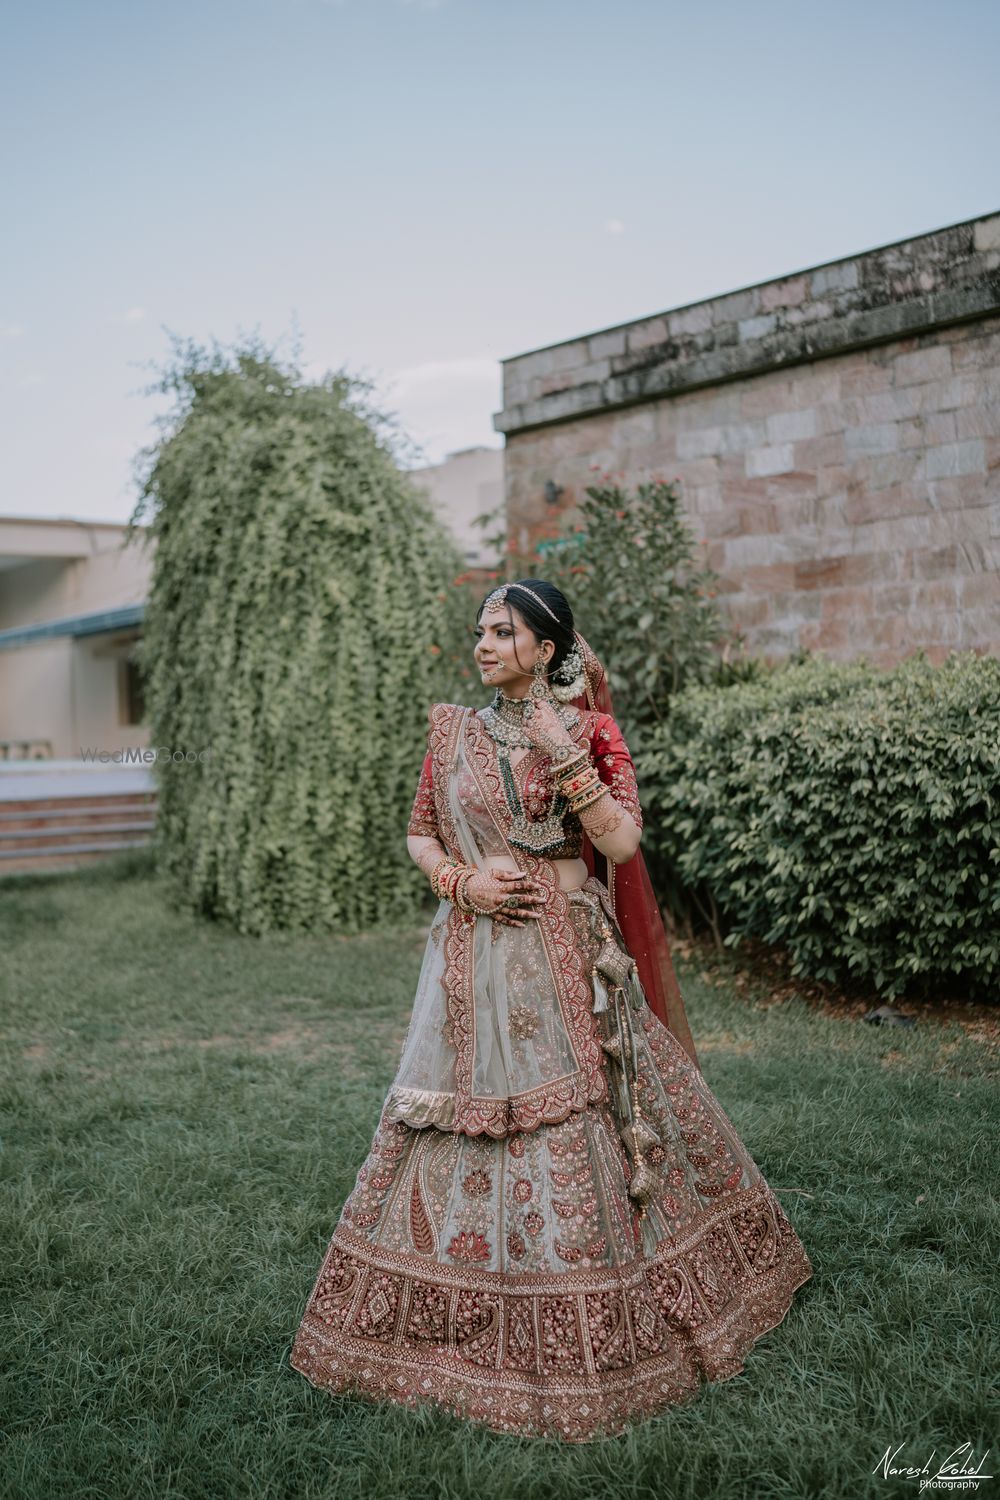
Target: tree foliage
<point>300,622</point>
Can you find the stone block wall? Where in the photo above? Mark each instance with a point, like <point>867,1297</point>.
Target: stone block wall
<point>835,435</point>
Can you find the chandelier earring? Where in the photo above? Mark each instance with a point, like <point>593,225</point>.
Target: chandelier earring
<point>539,681</point>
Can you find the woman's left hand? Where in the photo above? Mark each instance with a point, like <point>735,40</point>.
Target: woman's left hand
<point>545,728</point>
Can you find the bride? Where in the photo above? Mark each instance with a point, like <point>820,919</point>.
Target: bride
<point>557,1231</point>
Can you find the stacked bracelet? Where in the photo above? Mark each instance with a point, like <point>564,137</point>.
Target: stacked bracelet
<point>576,761</point>
<point>469,908</point>
<point>449,878</point>
<point>443,877</point>
<point>581,785</point>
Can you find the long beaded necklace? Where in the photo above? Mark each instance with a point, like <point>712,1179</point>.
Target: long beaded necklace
<point>504,722</point>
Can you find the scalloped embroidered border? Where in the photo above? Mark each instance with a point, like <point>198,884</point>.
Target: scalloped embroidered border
<point>578,1354</point>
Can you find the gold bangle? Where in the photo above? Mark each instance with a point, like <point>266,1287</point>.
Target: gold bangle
<point>586,801</point>
<point>566,767</point>
<point>444,877</point>
<point>458,890</point>
<point>580,783</point>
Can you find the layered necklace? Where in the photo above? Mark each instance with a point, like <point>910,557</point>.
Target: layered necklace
<point>504,721</point>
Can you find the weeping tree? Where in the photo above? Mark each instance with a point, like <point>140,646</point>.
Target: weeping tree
<point>302,617</point>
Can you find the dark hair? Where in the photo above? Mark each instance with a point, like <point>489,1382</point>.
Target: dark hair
<point>538,619</point>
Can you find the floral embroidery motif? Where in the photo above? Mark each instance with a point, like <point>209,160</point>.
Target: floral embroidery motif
<point>477,1183</point>
<point>533,1222</point>
<point>522,1190</point>
<point>515,1245</point>
<point>469,1246</point>
<point>523,1022</point>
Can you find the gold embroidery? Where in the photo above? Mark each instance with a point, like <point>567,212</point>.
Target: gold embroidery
<point>522,1022</point>
<point>492,1261</point>
<point>576,1353</point>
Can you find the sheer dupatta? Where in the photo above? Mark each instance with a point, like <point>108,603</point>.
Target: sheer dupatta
<point>502,1036</point>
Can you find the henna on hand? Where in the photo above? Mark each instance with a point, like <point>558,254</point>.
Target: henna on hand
<point>429,856</point>
<point>602,817</point>
<point>487,886</point>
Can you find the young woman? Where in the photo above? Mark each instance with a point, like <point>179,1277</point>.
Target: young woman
<point>557,1231</point>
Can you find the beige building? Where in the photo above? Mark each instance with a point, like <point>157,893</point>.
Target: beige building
<point>71,605</point>
<point>466,485</point>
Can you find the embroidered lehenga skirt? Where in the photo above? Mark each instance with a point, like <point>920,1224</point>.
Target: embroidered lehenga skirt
<point>491,1257</point>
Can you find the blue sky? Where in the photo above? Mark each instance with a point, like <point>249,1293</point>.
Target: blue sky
<point>417,189</point>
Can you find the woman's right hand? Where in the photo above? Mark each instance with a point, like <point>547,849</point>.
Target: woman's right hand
<point>492,888</point>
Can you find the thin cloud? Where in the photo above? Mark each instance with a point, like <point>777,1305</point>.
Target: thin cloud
<point>11,331</point>
<point>615,226</point>
<point>446,404</point>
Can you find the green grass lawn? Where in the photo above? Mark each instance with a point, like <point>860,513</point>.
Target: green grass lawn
<point>185,1111</point>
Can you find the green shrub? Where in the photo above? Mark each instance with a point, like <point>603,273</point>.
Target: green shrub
<point>847,813</point>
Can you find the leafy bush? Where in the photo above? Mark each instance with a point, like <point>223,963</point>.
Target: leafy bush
<point>850,814</point>
<point>301,620</point>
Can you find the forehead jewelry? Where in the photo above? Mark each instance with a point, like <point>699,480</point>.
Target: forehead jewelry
<point>499,596</point>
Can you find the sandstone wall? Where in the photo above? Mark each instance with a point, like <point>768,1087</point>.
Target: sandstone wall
<point>835,433</point>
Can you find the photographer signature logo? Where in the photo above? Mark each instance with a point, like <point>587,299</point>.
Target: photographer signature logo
<point>958,1471</point>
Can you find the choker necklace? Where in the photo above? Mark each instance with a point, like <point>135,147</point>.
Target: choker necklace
<point>505,719</point>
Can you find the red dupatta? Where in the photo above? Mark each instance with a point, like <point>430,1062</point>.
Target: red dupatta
<point>636,910</point>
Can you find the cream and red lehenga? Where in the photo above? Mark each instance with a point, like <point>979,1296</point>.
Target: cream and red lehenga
<point>490,1257</point>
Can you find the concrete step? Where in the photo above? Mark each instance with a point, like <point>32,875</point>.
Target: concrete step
<point>75,857</point>
<point>16,840</point>
<point>76,823</point>
<point>93,815</point>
